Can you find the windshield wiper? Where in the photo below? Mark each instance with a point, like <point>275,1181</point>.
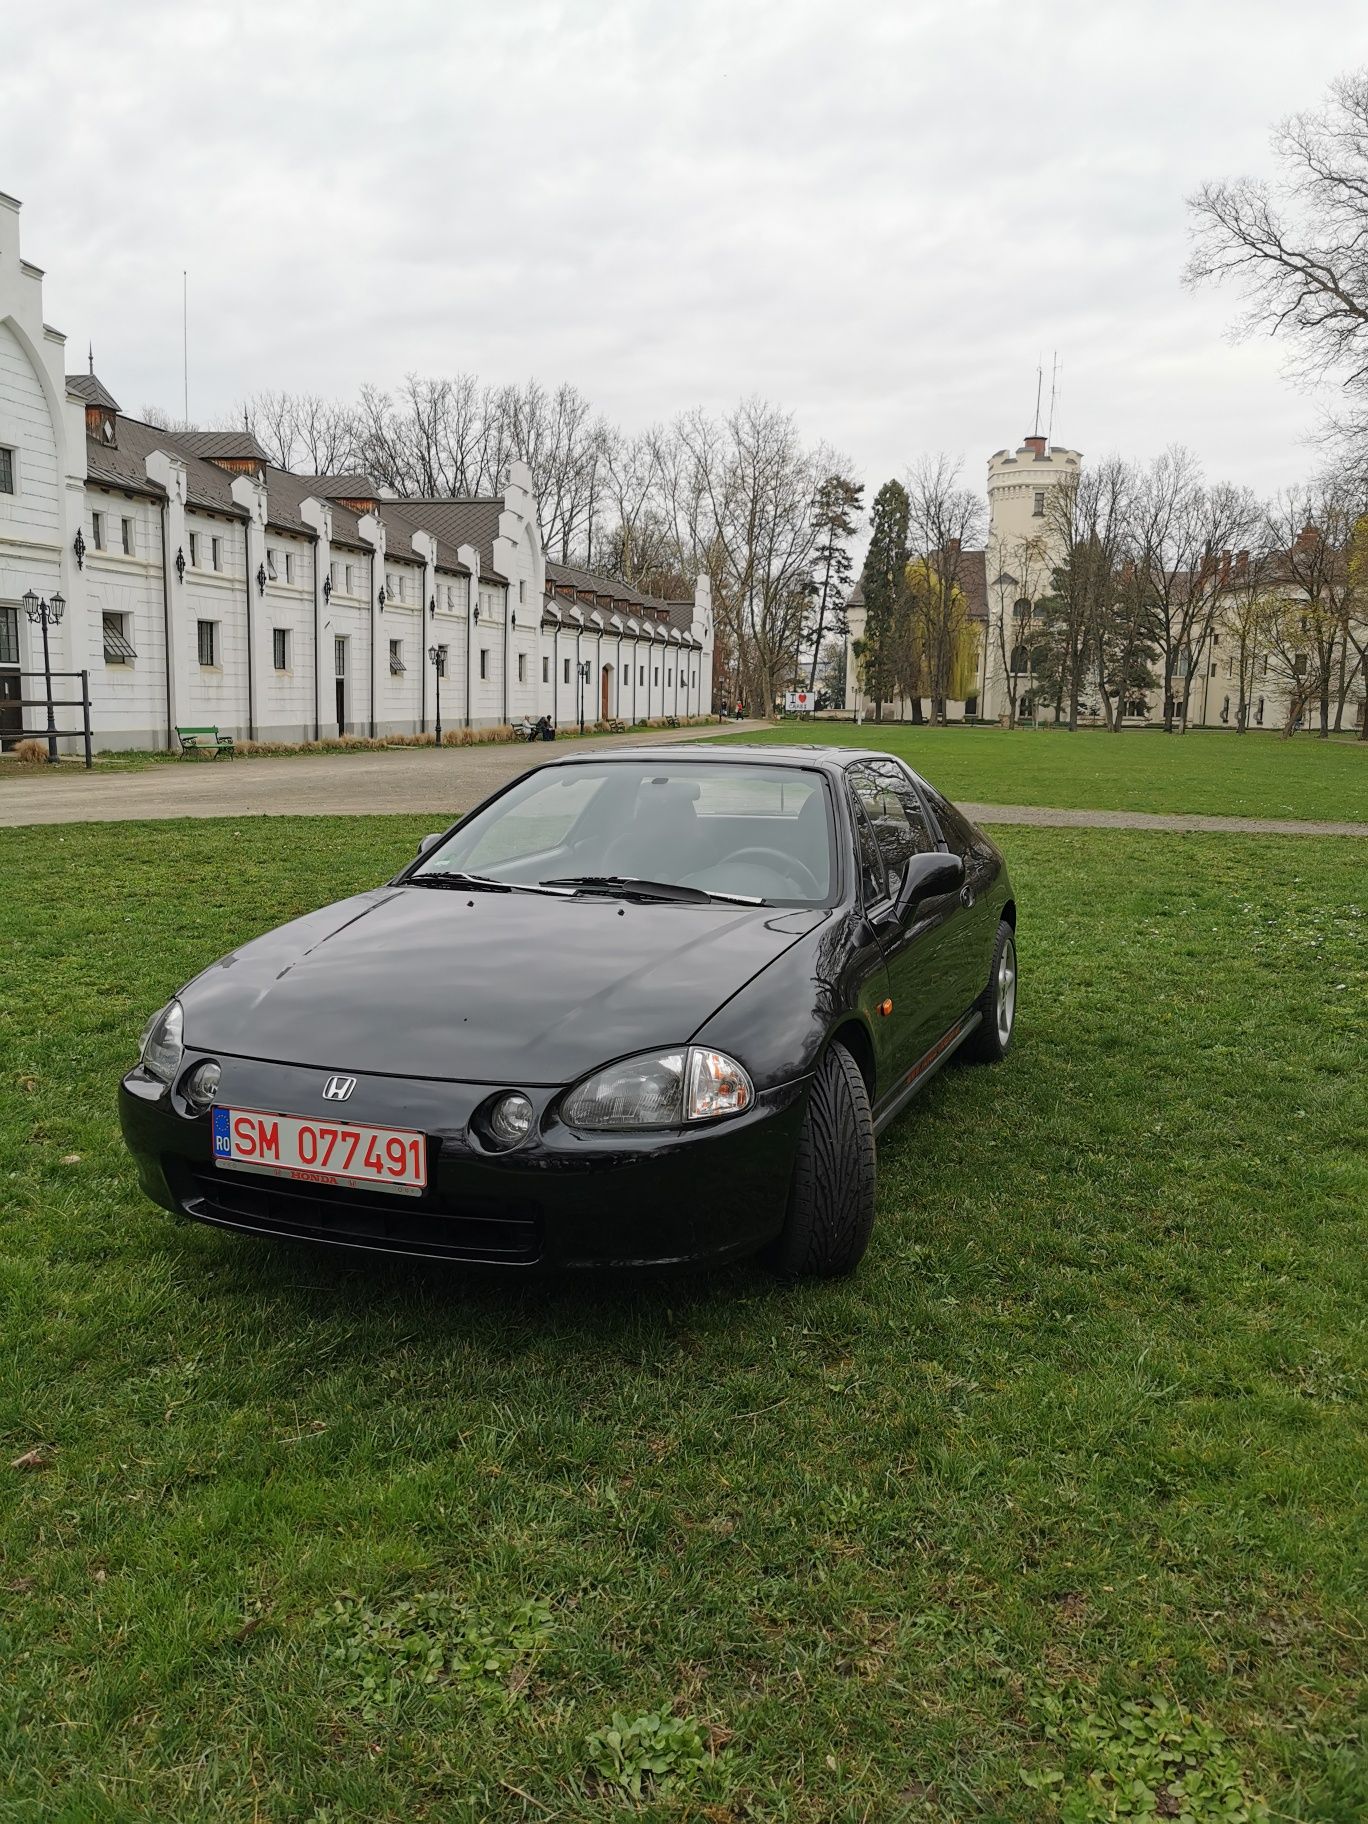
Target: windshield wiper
<point>624,886</point>
<point>483,883</point>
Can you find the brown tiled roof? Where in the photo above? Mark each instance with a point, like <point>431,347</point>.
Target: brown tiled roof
<point>355,486</point>
<point>458,522</point>
<point>125,466</point>
<point>92,391</point>
<point>401,521</point>
<point>570,577</point>
<point>285,491</point>
<point>238,446</point>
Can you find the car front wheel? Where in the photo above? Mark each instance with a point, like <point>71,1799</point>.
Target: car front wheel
<point>831,1201</point>
<point>992,1038</point>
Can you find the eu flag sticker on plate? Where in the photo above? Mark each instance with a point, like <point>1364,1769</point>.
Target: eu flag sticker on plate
<point>223,1145</point>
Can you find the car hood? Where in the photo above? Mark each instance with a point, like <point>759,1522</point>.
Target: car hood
<point>481,987</point>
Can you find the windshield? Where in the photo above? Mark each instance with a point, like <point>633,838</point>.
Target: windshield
<point>748,832</point>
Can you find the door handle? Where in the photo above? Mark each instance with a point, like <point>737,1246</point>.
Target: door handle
<point>966,895</point>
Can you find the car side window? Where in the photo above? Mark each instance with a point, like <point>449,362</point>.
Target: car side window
<point>890,801</point>
<point>873,877</point>
<point>960,837</point>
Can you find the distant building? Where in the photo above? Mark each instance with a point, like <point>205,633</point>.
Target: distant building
<point>205,586</point>
<point>1006,581</point>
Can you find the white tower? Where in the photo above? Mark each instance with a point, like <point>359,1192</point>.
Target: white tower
<point>1020,554</point>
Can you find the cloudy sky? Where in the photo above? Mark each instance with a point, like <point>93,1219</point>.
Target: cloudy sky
<point>881,215</point>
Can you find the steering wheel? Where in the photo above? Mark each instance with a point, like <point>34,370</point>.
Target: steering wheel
<point>787,865</point>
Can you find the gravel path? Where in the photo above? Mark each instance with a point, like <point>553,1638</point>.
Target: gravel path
<point>446,782</point>
<point>442,781</point>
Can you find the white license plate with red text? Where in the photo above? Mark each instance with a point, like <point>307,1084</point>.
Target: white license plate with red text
<point>320,1152</point>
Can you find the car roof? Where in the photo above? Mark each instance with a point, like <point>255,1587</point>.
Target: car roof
<point>819,754</point>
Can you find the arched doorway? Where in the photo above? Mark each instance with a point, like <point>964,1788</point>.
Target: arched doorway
<point>605,693</point>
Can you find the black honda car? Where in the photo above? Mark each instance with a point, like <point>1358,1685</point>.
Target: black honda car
<point>652,1005</point>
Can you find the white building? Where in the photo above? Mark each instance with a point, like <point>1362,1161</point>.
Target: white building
<point>205,587</point>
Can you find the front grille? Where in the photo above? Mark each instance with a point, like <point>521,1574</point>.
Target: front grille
<point>471,1229</point>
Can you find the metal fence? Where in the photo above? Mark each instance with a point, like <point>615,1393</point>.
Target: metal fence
<point>50,732</point>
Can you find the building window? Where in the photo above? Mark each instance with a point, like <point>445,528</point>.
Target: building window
<point>567,671</point>
<point>396,658</point>
<point>126,536</point>
<point>641,674</point>
<point>484,661</point>
<point>656,678</point>
<point>272,564</point>
<point>194,550</point>
<point>1299,664</point>
<point>546,669</point>
<point>1021,660</point>
<point>693,680</point>
<point>1213,669</point>
<point>522,668</point>
<point>450,599</point>
<point>335,572</point>
<point>522,590</point>
<point>208,642</point>
<point>280,641</point>
<point>216,553</point>
<point>351,590</point>
<point>97,531</point>
<point>1225,709</point>
<point>118,648</point>
<point>339,655</point>
<point>441,661</point>
<point>1021,608</point>
<point>1038,506</point>
<point>7,471</point>
<point>1258,713</point>
<point>9,636</point>
<point>289,566</point>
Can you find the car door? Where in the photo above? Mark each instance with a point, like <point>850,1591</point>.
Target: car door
<point>973,951</point>
<point>918,943</point>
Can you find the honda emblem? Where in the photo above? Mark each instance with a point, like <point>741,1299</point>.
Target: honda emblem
<point>337,1089</point>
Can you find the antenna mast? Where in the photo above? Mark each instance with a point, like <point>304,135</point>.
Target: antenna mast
<point>185,341</point>
<point>1039,379</point>
<point>1054,388</point>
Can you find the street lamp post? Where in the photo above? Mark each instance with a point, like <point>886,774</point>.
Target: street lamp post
<point>46,614</point>
<point>435,654</point>
<point>584,668</point>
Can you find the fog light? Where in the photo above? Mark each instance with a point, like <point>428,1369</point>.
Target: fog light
<point>510,1120</point>
<point>202,1085</point>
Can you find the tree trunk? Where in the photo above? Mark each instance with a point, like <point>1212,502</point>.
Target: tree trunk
<point>917,717</point>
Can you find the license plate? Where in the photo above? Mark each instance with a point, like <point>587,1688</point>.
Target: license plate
<point>321,1152</point>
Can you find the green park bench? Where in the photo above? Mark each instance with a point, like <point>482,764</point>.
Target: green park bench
<point>204,741</point>
<point>616,726</point>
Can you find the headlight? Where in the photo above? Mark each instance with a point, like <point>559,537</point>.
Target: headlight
<point>162,1046</point>
<point>660,1089</point>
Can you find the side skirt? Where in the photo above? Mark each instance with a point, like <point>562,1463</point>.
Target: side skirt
<point>926,1067</point>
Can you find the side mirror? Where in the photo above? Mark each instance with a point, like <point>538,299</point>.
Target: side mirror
<point>930,875</point>
<point>426,842</point>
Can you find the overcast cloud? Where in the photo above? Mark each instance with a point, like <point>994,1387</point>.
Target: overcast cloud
<point>879,215</point>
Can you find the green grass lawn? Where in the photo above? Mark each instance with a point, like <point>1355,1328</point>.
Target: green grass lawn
<point>1253,775</point>
<point>320,1540</point>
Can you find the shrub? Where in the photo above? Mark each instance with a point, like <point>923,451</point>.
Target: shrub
<point>32,753</point>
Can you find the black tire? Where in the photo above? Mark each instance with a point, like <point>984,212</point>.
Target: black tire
<point>991,1039</point>
<point>831,1201</point>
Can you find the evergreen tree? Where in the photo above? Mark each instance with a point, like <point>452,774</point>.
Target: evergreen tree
<point>884,577</point>
<point>835,515</point>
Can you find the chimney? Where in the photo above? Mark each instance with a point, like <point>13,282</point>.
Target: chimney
<point>1036,445</point>
<point>1307,539</point>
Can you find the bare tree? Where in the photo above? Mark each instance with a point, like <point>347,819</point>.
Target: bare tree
<point>1297,249</point>
<point>1086,516</point>
<point>945,519</point>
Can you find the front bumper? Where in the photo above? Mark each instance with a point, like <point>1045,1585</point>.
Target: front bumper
<point>564,1198</point>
